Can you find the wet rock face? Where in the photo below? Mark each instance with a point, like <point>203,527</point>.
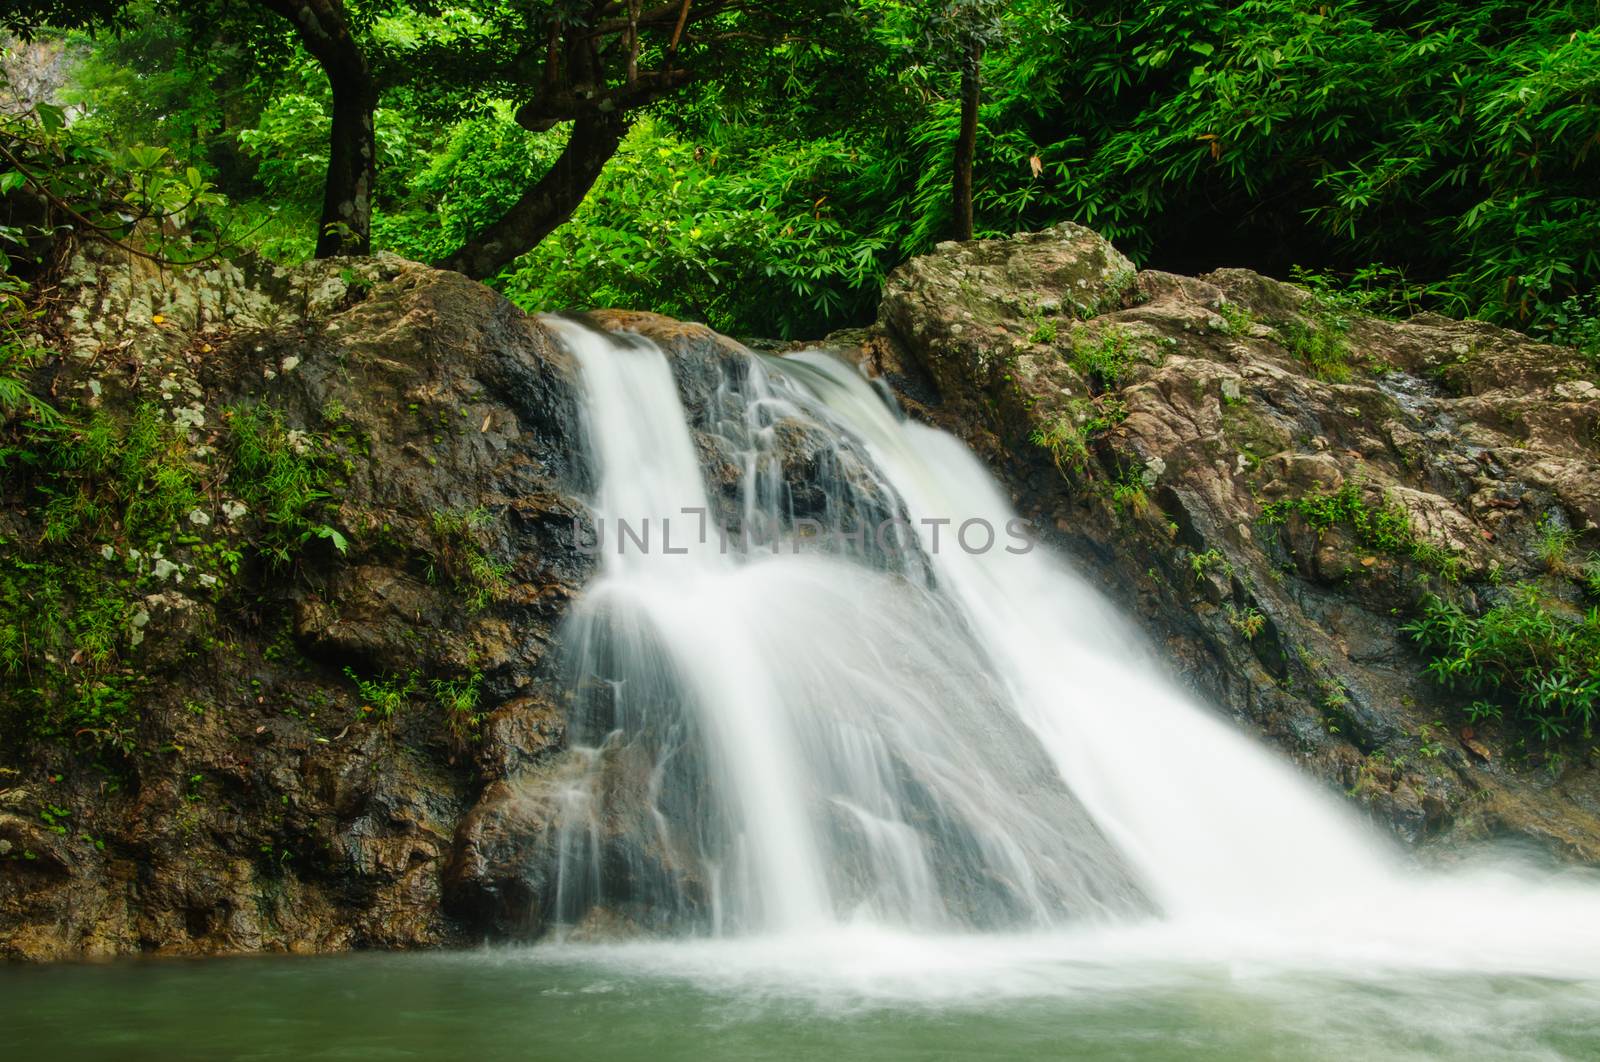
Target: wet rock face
<point>1201,445</point>
<point>269,802</point>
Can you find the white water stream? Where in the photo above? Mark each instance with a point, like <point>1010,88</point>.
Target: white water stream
<point>923,769</point>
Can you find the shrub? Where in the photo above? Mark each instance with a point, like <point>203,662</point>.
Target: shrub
<point>1520,659</point>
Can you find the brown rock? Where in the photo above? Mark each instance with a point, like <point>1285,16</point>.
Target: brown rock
<point>1474,432</point>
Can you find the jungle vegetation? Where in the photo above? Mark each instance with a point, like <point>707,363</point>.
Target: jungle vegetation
<point>761,164</point>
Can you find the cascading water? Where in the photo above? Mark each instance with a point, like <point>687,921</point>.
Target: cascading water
<point>805,730</point>
<point>817,736</point>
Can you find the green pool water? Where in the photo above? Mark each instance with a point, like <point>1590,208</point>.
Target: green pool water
<point>694,1004</point>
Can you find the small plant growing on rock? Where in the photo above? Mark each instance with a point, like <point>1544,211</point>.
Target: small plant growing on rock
<point>1236,317</point>
<point>282,475</point>
<point>1068,434</point>
<point>1103,359</point>
<point>1065,440</point>
<point>458,699</point>
<point>1335,706</point>
<point>463,552</point>
<point>1128,493</point>
<point>1591,575</point>
<point>384,697</point>
<point>1385,528</point>
<point>1431,748</point>
<point>1211,559</point>
<point>17,357</point>
<point>1248,621</point>
<point>1555,542</point>
<point>1320,344</point>
<point>1121,289</point>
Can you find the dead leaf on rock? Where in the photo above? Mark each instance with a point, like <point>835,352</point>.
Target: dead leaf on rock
<point>1478,749</point>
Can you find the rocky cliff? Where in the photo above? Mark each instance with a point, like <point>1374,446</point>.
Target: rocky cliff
<point>281,593</point>
<point>1276,485</point>
<point>279,597</point>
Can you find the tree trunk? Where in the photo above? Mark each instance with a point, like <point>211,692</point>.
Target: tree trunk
<point>543,208</point>
<point>967,141</point>
<point>324,29</point>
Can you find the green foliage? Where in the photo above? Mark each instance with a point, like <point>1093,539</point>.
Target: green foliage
<point>1320,346</point>
<point>463,553</point>
<point>1068,434</point>
<point>1211,559</point>
<point>133,478</point>
<point>289,145</point>
<point>1385,527</point>
<point>458,700</point>
<point>1375,290</point>
<point>1128,493</point>
<point>18,357</point>
<point>384,696</point>
<point>1521,659</point>
<point>1429,747</point>
<point>1449,141</point>
<point>1318,336</point>
<point>1237,317</point>
<point>1575,322</point>
<point>63,626</point>
<point>124,508</point>
<point>475,170</point>
<point>1555,542</point>
<point>1589,574</point>
<point>748,235</point>
<point>282,475</point>
<point>109,495</point>
<point>1428,154</point>
<point>136,195</point>
<point>1248,621</point>
<point>1102,356</point>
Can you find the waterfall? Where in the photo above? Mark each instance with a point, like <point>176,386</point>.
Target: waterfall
<point>839,689</point>
<point>817,732</point>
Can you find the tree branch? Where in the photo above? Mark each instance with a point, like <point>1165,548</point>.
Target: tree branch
<point>547,110</point>
<point>547,204</point>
